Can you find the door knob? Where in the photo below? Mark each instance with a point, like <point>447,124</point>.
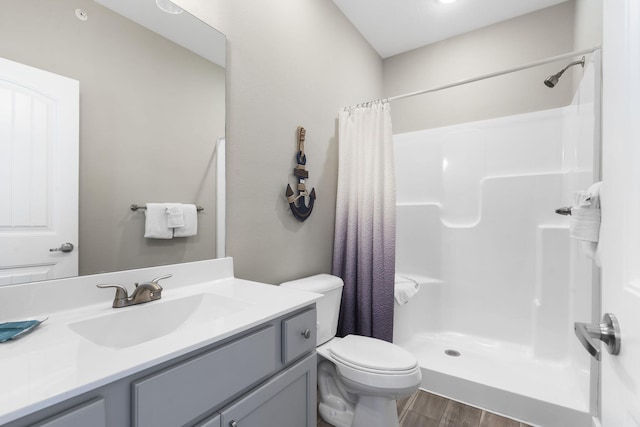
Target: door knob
<point>608,332</point>
<point>65,247</point>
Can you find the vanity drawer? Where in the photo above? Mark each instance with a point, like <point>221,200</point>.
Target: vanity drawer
<point>298,335</point>
<point>88,414</point>
<point>179,394</point>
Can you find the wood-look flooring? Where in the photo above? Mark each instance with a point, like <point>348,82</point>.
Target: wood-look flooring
<point>423,409</point>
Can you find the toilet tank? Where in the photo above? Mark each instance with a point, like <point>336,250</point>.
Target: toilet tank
<point>327,307</point>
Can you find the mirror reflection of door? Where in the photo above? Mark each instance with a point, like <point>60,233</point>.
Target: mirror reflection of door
<point>39,128</point>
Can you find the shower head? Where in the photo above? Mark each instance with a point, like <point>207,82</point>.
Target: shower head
<point>552,80</point>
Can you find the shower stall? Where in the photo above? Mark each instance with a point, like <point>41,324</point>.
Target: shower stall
<point>501,281</point>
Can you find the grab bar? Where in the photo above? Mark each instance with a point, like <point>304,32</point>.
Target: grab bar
<point>135,207</point>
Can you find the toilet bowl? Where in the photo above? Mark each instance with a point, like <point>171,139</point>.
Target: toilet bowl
<point>359,378</point>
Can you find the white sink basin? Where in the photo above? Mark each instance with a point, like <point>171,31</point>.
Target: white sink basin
<point>126,327</point>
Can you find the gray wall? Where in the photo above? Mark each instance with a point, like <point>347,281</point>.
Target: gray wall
<point>289,63</point>
<point>524,39</point>
<point>150,114</point>
<point>293,62</point>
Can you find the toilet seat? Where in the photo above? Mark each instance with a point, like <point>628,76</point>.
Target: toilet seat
<point>373,355</point>
<point>375,364</point>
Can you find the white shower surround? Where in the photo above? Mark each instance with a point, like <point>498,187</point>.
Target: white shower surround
<point>475,216</point>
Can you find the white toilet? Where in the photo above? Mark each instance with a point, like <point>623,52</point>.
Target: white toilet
<point>359,378</point>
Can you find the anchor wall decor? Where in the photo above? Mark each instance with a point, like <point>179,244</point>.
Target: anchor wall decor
<point>298,205</point>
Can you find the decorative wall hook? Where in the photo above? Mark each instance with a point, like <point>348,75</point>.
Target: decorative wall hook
<point>298,204</point>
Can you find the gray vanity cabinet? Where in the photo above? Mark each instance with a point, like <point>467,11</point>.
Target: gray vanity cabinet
<point>263,377</point>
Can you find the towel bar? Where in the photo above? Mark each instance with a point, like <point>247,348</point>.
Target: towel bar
<point>135,207</point>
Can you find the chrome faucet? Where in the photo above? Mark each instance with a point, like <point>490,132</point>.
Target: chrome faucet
<point>144,292</point>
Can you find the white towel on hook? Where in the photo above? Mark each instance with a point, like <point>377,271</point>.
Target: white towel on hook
<point>155,224</point>
<point>190,227</point>
<point>584,224</point>
<point>585,219</point>
<point>175,215</point>
<point>404,289</point>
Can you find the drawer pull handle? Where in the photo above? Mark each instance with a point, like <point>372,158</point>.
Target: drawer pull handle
<point>233,424</point>
<point>306,333</point>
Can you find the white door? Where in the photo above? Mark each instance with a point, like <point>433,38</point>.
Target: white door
<point>620,238</point>
<point>39,116</point>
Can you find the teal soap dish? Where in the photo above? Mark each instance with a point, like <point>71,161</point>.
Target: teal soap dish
<point>15,330</point>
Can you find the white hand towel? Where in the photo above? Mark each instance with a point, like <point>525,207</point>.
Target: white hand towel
<point>584,224</point>
<point>190,228</point>
<point>175,215</point>
<point>404,289</point>
<point>155,225</point>
<point>585,219</point>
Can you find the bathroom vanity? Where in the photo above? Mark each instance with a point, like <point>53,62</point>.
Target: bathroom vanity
<point>214,351</point>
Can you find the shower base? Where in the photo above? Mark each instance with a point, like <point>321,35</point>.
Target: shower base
<point>501,377</point>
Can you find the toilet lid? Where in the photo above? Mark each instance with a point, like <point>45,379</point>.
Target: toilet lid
<point>372,354</point>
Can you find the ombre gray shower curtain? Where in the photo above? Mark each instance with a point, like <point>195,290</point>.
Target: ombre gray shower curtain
<point>365,231</point>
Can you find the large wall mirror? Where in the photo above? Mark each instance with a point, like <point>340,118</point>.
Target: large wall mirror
<point>150,117</point>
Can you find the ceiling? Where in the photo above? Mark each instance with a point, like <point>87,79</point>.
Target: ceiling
<point>396,26</point>
<point>182,29</point>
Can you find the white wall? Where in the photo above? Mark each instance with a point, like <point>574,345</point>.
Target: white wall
<point>588,24</point>
<point>289,63</point>
<point>476,211</point>
<point>587,28</point>
<point>518,41</point>
<point>476,221</point>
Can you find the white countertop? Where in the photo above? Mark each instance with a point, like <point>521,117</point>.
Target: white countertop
<point>53,363</point>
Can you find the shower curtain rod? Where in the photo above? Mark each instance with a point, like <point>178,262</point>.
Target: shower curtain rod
<point>490,75</point>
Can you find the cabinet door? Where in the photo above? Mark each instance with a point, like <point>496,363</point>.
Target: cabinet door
<point>287,400</point>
